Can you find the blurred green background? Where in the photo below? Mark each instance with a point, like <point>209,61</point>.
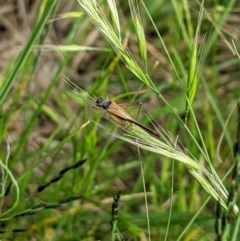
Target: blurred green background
<point>42,119</point>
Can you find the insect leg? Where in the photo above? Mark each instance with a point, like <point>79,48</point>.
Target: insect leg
<point>126,105</point>
<point>117,121</point>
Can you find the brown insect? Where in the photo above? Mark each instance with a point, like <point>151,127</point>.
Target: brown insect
<point>118,114</point>
<point>116,111</point>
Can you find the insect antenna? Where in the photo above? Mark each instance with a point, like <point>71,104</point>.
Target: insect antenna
<point>88,99</point>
